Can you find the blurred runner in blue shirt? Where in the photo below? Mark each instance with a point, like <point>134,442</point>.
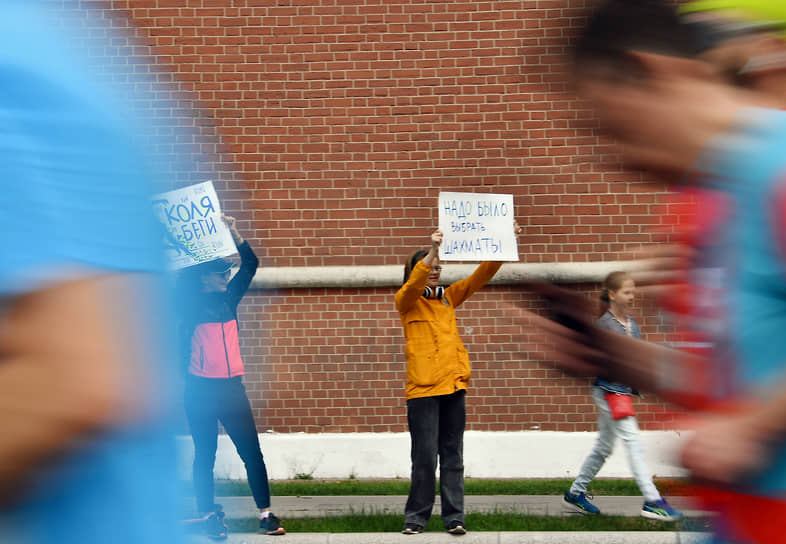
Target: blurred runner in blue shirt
<point>86,453</point>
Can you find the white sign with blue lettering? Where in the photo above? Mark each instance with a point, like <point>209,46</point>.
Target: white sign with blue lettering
<point>477,227</point>
<point>193,230</point>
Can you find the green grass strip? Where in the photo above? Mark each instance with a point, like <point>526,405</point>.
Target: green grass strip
<point>472,486</point>
<point>376,522</point>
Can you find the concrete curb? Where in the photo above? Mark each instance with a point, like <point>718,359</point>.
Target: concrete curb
<point>561,537</point>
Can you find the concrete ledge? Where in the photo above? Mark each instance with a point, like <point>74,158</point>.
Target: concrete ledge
<point>524,454</point>
<point>391,276</point>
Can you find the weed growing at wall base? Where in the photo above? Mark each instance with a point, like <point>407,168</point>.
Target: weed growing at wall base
<point>472,486</point>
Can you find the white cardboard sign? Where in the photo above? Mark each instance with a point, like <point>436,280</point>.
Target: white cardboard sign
<point>193,230</point>
<point>477,227</point>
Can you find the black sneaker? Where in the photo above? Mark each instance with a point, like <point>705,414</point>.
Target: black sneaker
<point>270,525</point>
<point>214,525</point>
<point>456,527</point>
<point>412,529</point>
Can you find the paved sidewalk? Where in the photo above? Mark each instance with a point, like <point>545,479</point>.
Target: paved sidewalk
<point>534,505</point>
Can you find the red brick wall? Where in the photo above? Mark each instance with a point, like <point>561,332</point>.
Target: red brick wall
<point>332,361</point>
<point>341,121</point>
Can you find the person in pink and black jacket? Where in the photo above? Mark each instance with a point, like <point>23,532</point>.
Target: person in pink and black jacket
<point>214,388</point>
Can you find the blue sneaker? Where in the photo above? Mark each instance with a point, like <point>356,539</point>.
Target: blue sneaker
<point>661,511</point>
<point>580,503</point>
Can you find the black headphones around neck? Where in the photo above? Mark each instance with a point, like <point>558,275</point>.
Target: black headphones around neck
<point>437,292</point>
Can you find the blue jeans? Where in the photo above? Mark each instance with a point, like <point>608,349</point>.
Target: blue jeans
<point>436,428</point>
<point>208,401</point>
<point>627,429</point>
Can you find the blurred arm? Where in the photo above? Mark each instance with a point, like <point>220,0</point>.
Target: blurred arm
<point>70,367</point>
<point>581,347</point>
<point>675,375</point>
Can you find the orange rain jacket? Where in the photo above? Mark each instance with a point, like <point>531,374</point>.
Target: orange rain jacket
<point>437,361</point>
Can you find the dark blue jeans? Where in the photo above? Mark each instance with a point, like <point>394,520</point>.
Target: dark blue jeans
<point>208,401</point>
<point>436,428</point>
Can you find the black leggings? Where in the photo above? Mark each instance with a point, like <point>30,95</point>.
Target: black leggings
<point>208,401</point>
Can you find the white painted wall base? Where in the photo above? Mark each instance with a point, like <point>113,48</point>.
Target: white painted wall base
<point>525,454</point>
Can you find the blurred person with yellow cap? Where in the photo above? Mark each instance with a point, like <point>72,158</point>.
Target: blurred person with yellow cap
<point>637,65</point>
<point>745,40</point>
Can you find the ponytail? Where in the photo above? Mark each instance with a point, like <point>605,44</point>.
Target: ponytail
<point>604,296</point>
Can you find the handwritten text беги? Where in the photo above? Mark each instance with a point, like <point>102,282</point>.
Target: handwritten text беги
<point>192,230</point>
<point>194,219</point>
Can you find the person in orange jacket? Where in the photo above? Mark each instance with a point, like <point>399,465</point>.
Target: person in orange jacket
<point>438,372</point>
